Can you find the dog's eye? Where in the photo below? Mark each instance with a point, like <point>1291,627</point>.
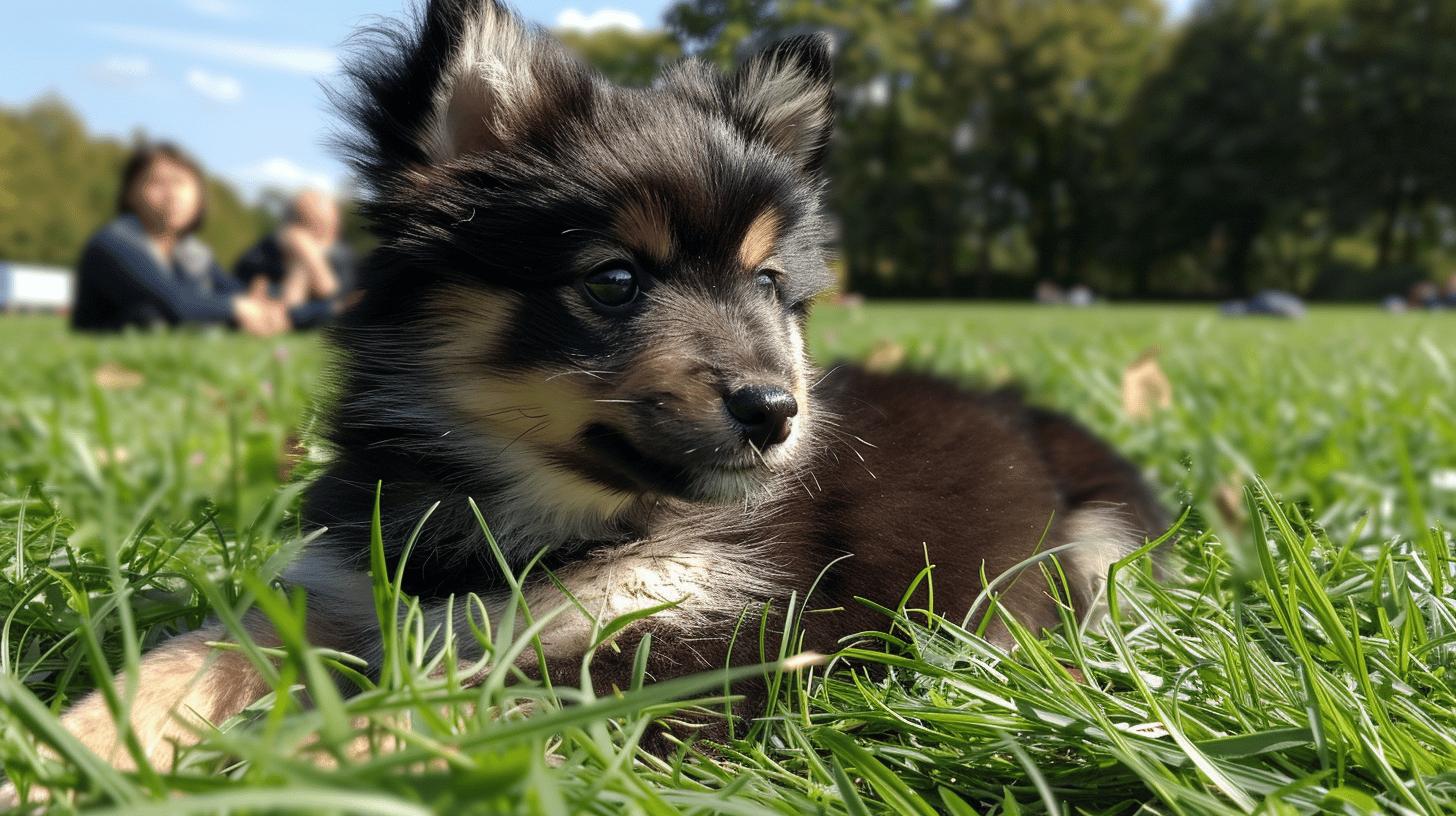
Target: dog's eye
<point>612,286</point>
<point>767,283</point>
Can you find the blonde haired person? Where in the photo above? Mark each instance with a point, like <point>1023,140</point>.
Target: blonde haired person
<point>302,263</point>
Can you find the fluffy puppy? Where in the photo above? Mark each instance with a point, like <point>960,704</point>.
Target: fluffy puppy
<point>587,314</point>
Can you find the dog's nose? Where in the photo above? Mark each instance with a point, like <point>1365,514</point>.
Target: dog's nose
<point>764,412</point>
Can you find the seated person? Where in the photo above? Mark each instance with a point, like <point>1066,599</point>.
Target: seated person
<point>1425,295</point>
<point>302,263</point>
<point>147,267</point>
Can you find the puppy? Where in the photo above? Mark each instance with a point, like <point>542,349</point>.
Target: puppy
<point>587,314</point>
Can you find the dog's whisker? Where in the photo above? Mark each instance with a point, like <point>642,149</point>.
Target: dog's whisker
<point>595,374</point>
<point>825,376</point>
<point>523,434</point>
<point>759,454</point>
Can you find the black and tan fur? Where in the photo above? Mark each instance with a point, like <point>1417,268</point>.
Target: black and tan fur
<point>500,172</point>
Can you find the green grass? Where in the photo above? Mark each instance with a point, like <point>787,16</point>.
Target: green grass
<point>1298,658</point>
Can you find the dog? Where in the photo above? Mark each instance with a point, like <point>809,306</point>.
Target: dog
<point>587,315</point>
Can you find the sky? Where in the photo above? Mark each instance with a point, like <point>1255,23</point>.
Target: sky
<point>237,82</point>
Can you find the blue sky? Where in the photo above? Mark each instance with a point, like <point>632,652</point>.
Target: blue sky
<point>235,81</point>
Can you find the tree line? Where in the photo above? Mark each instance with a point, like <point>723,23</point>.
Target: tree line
<point>987,145</point>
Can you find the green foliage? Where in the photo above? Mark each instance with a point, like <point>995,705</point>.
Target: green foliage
<point>58,184</point>
<point>625,57</point>
<point>1378,93</point>
<point>986,145</point>
<point>1296,657</point>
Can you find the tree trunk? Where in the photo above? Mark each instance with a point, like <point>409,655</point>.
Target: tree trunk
<point>1044,228</point>
<point>1385,240</point>
<point>890,158</point>
<point>1044,241</point>
<point>1410,245</point>
<point>983,265</point>
<point>1243,229</point>
<point>1076,243</point>
<point>1142,274</point>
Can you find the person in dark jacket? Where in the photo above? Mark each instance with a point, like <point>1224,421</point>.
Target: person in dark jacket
<point>147,267</point>
<point>302,263</point>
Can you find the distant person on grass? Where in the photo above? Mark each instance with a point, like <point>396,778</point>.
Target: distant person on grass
<point>302,263</point>
<point>147,267</point>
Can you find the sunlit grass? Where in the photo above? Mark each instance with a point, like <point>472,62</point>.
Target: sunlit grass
<point>1297,657</point>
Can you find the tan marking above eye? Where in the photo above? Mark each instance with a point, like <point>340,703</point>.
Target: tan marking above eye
<point>644,226</point>
<point>759,239</point>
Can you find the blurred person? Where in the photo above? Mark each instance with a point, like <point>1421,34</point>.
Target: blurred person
<point>1424,295</point>
<point>302,263</point>
<point>1267,303</point>
<point>1048,293</point>
<point>147,267</point>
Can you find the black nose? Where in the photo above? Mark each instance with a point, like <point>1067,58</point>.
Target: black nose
<point>764,412</point>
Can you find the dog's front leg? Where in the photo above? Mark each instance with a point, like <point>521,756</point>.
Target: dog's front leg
<point>182,687</point>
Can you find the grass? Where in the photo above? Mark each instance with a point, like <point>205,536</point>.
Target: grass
<point>1298,659</point>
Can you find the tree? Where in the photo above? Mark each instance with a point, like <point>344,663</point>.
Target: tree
<point>1046,84</point>
<point>623,56</point>
<point>59,184</point>
<point>716,29</point>
<point>1389,110</point>
<point>1222,150</point>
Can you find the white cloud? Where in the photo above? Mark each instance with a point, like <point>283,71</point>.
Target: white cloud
<point>217,9</point>
<point>281,173</point>
<point>576,20</point>
<point>217,87</point>
<point>123,70</point>
<point>1178,9</point>
<point>299,59</point>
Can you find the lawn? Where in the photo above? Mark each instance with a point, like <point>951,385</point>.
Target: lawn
<point>1297,657</point>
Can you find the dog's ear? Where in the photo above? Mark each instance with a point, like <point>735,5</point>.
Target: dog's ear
<point>469,77</point>
<point>784,97</point>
